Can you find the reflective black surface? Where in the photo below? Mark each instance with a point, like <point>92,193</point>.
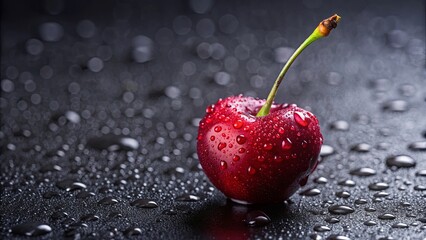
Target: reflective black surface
<point>100,104</point>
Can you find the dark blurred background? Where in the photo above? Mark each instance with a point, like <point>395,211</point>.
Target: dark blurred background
<point>100,103</point>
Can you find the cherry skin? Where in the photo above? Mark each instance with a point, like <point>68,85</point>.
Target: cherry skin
<point>258,159</point>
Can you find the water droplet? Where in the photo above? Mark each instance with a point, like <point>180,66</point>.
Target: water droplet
<point>59,215</point>
<point>241,139</point>
<point>210,109</point>
<point>89,217</point>
<point>321,180</point>
<point>332,220</point>
<point>144,203</point>
<point>278,159</point>
<point>188,198</point>
<point>386,216</point>
<point>286,144</point>
<point>310,192</point>
<point>223,165</point>
<point>108,201</point>
<point>321,228</point>
<point>400,161</point>
<point>420,187</point>
<point>340,209</point>
<point>378,186</point>
<point>337,237</point>
<point>281,130</point>
<point>399,225</point>
<point>31,229</point>
<point>84,194</point>
<point>363,172</point>
<point>339,125</point>
<point>370,209</point>
<point>421,173</point>
<point>235,158</point>
<point>361,147</point>
<point>217,128</point>
<point>418,146</point>
<point>301,119</point>
<point>212,138</point>
<point>326,150</point>
<point>381,194</point>
<point>370,223</point>
<point>238,124</point>
<point>267,146</point>
<point>170,212</point>
<point>113,143</point>
<point>343,194</point>
<point>221,146</point>
<point>132,231</point>
<point>347,183</point>
<point>396,106</point>
<point>361,201</point>
<point>251,170</point>
<point>257,218</point>
<point>242,150</point>
<point>260,158</point>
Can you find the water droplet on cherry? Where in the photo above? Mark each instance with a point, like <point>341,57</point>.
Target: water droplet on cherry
<point>251,170</point>
<point>223,165</point>
<point>238,124</point>
<point>286,144</point>
<point>241,139</point>
<point>301,119</point>
<point>221,145</point>
<point>217,128</point>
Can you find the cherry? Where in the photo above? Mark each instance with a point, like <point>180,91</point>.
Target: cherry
<point>255,151</point>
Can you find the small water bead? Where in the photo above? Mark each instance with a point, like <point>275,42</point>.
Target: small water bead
<point>210,109</point>
<point>326,150</point>
<point>89,217</point>
<point>188,198</point>
<point>217,128</point>
<point>281,130</point>
<point>59,215</point>
<point>113,143</point>
<point>310,192</point>
<point>31,229</point>
<point>221,145</point>
<point>235,158</point>
<point>347,183</point>
<point>381,194</point>
<point>301,119</point>
<point>108,201</point>
<point>400,161</point>
<point>396,106</point>
<point>238,124</point>
<point>321,180</point>
<point>261,158</point>
<point>378,186</point>
<point>361,201</point>
<point>241,150</point>
<point>286,144</point>
<point>267,146</point>
<point>399,225</point>
<point>363,172</point>
<point>144,203</point>
<point>332,220</point>
<point>420,187</point>
<point>314,236</point>
<point>132,231</point>
<point>386,216</point>
<point>361,148</point>
<point>257,218</point>
<point>212,138</point>
<point>343,194</point>
<point>370,223</point>
<point>321,228</point>
<point>339,125</point>
<point>340,209</point>
<point>84,194</point>
<point>421,173</point>
<point>223,165</point>
<point>370,209</point>
<point>418,146</point>
<point>337,237</point>
<point>251,170</point>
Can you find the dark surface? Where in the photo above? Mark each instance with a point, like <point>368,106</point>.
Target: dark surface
<point>56,99</point>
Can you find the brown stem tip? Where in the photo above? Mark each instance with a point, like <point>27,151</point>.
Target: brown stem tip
<point>328,24</point>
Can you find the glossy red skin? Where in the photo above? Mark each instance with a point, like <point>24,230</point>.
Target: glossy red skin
<point>265,172</point>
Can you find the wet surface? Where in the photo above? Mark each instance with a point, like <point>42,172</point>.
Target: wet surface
<point>100,105</point>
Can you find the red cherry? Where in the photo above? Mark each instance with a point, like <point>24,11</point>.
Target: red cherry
<point>255,151</point>
<point>277,157</point>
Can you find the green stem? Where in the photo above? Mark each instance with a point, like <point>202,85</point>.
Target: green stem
<point>321,31</point>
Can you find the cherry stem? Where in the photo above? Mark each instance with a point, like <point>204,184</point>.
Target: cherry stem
<point>323,29</point>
